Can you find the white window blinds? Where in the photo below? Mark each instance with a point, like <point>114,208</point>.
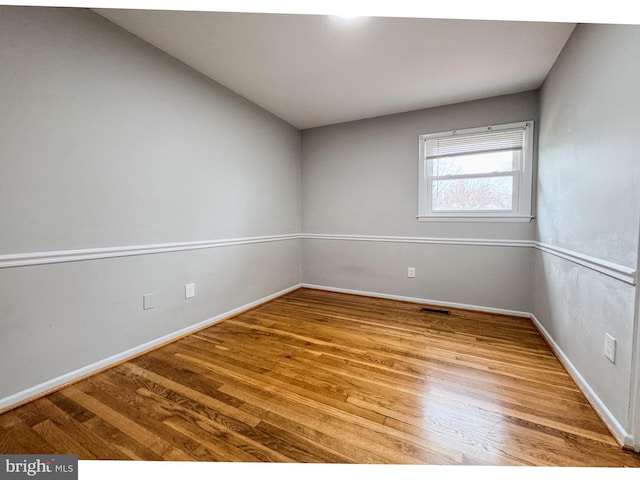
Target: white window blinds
<point>482,142</point>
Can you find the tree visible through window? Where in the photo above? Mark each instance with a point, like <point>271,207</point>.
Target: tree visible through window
<point>482,172</point>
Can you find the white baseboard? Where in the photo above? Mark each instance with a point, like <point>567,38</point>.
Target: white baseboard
<point>53,384</point>
<point>621,435</point>
<point>424,301</point>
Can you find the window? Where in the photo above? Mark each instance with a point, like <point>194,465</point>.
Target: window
<point>477,174</point>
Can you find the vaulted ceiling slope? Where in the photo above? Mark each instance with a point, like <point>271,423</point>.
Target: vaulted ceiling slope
<point>315,70</point>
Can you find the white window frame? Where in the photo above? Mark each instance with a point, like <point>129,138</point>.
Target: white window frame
<point>522,187</point>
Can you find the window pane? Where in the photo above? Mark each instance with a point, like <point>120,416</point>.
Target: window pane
<point>476,163</point>
<point>484,194</point>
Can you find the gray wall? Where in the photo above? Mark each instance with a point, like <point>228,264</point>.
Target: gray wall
<point>361,178</point>
<point>107,142</point>
<point>589,202</point>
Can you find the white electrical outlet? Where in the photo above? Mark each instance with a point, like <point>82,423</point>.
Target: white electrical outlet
<point>148,301</point>
<point>610,347</point>
<point>411,272</point>
<point>189,290</point>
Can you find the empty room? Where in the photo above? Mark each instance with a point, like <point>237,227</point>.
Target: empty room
<point>251,236</point>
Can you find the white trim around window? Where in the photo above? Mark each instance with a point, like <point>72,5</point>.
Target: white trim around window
<point>482,174</point>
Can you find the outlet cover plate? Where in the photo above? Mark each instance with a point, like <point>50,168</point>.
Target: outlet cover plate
<point>189,290</point>
<point>148,301</point>
<point>610,347</point>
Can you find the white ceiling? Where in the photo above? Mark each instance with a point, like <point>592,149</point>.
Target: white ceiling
<point>314,70</point>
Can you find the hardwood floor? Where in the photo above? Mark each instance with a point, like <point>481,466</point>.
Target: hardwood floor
<point>333,378</point>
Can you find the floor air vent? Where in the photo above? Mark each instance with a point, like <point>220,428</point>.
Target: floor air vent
<point>435,310</point>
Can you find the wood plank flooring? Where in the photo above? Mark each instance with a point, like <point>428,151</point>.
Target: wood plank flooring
<point>321,377</point>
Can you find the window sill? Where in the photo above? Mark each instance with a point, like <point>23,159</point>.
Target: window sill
<point>476,218</point>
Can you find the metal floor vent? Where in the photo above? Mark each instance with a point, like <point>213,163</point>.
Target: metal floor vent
<point>435,310</point>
